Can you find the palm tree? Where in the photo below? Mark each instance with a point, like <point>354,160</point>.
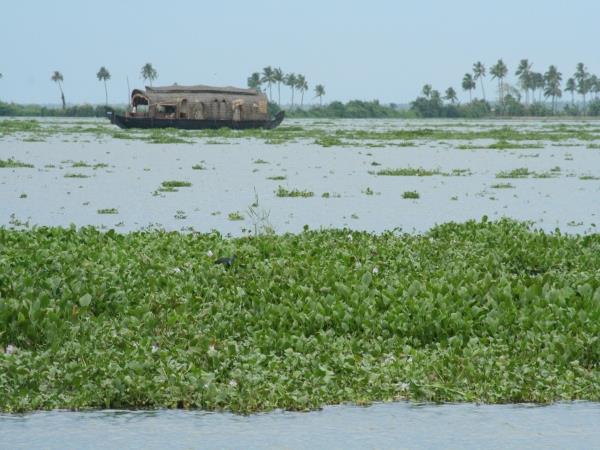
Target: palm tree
<point>302,86</point>
<point>58,78</point>
<point>582,78</point>
<point>537,82</point>
<point>149,73</point>
<point>278,78</point>
<point>571,87</point>
<point>553,78</point>
<point>290,80</point>
<point>468,84</point>
<point>499,71</point>
<point>267,77</point>
<point>103,75</point>
<point>427,90</point>
<point>451,95</point>
<point>594,83</point>
<point>479,74</point>
<point>254,81</point>
<point>320,92</point>
<point>523,72</point>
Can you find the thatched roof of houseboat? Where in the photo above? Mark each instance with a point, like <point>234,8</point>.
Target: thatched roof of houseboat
<point>200,89</point>
<point>198,93</point>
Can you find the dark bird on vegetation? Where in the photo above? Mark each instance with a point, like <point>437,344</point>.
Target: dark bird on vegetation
<point>227,261</point>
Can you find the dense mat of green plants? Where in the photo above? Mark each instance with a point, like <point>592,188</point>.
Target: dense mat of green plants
<point>506,137</point>
<point>487,312</point>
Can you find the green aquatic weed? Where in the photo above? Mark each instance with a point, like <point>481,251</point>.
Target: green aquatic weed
<point>12,163</point>
<point>410,195</point>
<point>490,312</point>
<point>283,192</point>
<point>409,172</point>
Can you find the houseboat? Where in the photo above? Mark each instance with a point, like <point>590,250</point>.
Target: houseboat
<point>196,108</point>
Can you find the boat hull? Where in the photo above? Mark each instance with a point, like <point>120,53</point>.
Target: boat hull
<point>192,124</point>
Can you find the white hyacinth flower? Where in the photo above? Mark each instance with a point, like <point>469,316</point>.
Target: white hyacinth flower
<point>350,237</point>
<point>375,270</point>
<point>154,348</point>
<point>209,254</point>
<point>233,383</point>
<point>10,349</point>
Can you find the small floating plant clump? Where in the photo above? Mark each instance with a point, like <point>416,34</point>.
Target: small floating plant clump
<point>502,186</point>
<point>75,175</point>
<point>506,145</point>
<point>85,164</point>
<point>234,216</point>
<point>180,215</point>
<point>521,172</point>
<point>472,312</point>
<point>410,195</point>
<point>108,211</point>
<point>167,136</point>
<point>175,184</point>
<point>329,141</point>
<point>283,192</point>
<point>408,172</point>
<point>171,186</point>
<point>12,163</point>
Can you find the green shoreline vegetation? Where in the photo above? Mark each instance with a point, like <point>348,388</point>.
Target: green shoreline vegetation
<point>524,98</point>
<point>483,311</point>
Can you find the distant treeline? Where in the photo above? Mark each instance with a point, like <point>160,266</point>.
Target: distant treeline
<point>432,105</point>
<point>86,110</point>
<point>354,109</point>
<point>424,106</point>
<point>521,99</point>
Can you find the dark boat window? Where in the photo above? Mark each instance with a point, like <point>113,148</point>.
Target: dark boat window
<point>223,112</point>
<point>167,111</point>
<point>183,109</point>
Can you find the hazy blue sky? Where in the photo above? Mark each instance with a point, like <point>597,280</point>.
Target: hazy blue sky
<point>373,49</point>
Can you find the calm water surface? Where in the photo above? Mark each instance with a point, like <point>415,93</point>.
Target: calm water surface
<point>238,170</point>
<point>382,426</point>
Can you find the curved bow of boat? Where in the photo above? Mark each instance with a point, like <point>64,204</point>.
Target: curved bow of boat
<point>276,121</point>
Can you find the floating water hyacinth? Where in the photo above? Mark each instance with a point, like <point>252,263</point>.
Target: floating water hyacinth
<point>471,312</point>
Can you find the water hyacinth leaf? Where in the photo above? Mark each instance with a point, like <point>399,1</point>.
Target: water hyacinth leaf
<point>85,300</point>
<point>366,279</point>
